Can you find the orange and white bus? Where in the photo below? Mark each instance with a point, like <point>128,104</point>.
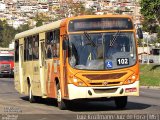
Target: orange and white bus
<point>84,57</point>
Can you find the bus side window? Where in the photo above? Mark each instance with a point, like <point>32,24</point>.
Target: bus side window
<point>58,40</point>
<point>29,48</point>
<point>52,43</point>
<point>55,43</point>
<point>36,47</point>
<point>49,38</point>
<point>16,51</point>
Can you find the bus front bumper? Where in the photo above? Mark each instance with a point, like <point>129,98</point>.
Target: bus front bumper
<point>100,92</point>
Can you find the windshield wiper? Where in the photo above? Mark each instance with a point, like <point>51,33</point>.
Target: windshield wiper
<point>89,39</point>
<point>112,41</point>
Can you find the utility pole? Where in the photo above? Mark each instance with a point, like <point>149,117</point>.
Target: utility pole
<point>147,51</point>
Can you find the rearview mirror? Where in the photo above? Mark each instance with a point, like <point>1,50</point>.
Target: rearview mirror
<point>140,33</point>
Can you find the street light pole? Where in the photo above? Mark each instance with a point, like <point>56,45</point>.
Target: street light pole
<point>147,50</point>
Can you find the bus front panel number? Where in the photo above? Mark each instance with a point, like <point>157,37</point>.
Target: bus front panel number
<point>122,61</point>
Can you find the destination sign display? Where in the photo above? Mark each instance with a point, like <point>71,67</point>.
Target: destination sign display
<point>100,24</point>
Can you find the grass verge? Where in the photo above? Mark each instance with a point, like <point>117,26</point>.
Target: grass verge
<point>149,75</point>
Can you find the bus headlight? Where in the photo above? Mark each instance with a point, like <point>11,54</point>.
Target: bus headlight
<point>78,82</point>
<point>130,80</point>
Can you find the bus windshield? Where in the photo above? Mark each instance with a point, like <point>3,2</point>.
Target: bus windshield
<point>102,51</point>
<point>6,58</point>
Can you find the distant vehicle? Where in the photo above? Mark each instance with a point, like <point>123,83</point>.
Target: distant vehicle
<point>6,62</point>
<point>150,61</point>
<point>145,60</point>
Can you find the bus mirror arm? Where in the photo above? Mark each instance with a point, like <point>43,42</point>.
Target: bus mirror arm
<point>65,44</point>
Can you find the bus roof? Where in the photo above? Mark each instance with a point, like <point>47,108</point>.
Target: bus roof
<point>40,29</point>
<point>57,24</point>
<point>100,16</point>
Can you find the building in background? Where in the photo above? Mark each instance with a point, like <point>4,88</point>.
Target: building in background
<point>42,1</point>
<point>2,7</point>
<point>11,9</point>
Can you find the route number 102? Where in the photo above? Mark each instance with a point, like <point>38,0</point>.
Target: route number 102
<point>122,61</point>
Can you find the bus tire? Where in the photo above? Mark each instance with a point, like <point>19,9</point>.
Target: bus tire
<point>121,102</point>
<point>30,94</point>
<point>60,102</point>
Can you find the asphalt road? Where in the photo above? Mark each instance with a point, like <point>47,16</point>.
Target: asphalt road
<point>17,107</point>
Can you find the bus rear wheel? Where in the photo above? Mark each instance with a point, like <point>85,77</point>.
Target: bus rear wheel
<point>121,102</point>
<point>61,102</point>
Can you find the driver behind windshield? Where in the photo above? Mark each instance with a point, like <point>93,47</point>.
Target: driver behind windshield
<point>81,51</point>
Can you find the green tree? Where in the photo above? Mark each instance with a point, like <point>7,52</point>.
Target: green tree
<point>7,34</point>
<point>23,27</point>
<point>151,9</point>
<point>39,23</point>
<point>158,35</point>
<point>150,26</point>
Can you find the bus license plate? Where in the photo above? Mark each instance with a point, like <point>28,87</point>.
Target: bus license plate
<point>122,61</point>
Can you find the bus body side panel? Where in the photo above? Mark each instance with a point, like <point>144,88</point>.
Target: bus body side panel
<point>54,74</point>
<point>16,77</point>
<point>51,73</point>
<point>42,64</point>
<point>21,63</point>
<point>63,63</point>
<point>28,75</point>
<point>48,71</point>
<point>36,78</point>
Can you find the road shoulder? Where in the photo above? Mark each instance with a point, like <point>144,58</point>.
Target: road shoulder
<point>151,87</point>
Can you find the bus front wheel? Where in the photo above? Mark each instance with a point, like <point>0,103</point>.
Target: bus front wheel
<point>61,103</point>
<point>121,102</point>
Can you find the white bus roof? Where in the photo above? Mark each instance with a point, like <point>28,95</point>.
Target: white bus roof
<point>40,29</point>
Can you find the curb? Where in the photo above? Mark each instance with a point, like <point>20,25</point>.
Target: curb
<point>150,87</point>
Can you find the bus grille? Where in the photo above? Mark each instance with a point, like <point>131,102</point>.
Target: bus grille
<point>108,90</point>
<point>5,67</point>
<point>104,76</point>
